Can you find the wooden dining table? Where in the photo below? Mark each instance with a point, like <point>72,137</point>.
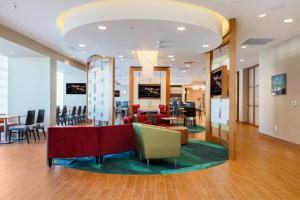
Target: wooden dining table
<point>6,125</point>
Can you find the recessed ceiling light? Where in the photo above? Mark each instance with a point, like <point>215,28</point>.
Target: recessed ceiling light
<point>120,56</point>
<point>242,60</point>
<point>173,59</point>
<point>183,71</point>
<point>171,56</point>
<point>83,52</point>
<point>187,65</point>
<point>181,28</point>
<point>102,28</point>
<point>81,45</point>
<point>290,20</point>
<point>244,46</point>
<point>205,45</point>
<point>262,15</point>
<point>12,52</point>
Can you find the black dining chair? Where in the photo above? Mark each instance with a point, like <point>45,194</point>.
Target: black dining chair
<point>61,119</point>
<point>39,124</point>
<point>24,129</point>
<point>57,115</point>
<point>72,118</point>
<point>77,117</point>
<point>83,115</point>
<point>190,116</point>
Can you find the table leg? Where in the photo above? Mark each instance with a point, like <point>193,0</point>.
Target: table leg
<point>5,132</point>
<point>5,128</point>
<point>19,120</point>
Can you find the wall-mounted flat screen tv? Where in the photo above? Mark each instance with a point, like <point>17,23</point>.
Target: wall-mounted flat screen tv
<point>76,88</point>
<point>149,91</point>
<point>216,82</point>
<point>117,93</point>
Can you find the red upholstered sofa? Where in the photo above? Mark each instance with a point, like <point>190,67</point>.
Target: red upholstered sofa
<point>83,141</point>
<point>144,119</point>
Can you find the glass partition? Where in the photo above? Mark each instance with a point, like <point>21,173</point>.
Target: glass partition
<point>101,90</point>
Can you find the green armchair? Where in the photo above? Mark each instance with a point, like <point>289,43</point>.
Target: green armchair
<point>154,142</point>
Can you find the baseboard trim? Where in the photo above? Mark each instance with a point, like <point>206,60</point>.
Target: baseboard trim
<point>247,123</point>
<point>279,140</point>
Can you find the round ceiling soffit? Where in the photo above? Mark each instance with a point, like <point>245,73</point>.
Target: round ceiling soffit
<point>101,11</point>
<point>149,10</point>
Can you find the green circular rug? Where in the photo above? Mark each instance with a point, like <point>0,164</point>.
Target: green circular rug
<point>194,156</point>
<point>196,129</point>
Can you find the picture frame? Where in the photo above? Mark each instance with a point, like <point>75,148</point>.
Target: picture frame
<point>278,84</point>
<point>75,88</point>
<point>149,91</point>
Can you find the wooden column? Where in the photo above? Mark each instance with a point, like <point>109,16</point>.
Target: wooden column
<point>232,87</point>
<point>113,90</point>
<point>168,88</point>
<point>53,91</point>
<point>209,57</point>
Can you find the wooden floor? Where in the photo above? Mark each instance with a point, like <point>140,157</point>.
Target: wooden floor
<point>265,169</point>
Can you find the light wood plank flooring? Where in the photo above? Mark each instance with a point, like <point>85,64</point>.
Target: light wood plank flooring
<point>265,169</point>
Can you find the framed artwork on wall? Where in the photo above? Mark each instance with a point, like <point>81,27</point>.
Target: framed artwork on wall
<point>216,82</point>
<point>149,91</point>
<point>279,84</point>
<point>76,88</point>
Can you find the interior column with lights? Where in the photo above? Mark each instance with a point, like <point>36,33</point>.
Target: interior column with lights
<point>221,92</point>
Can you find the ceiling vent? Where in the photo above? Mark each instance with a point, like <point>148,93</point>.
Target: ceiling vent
<point>258,41</point>
<point>189,63</point>
<point>184,68</point>
<point>73,49</point>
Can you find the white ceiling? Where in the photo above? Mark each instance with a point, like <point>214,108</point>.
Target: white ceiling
<point>10,49</point>
<point>37,20</point>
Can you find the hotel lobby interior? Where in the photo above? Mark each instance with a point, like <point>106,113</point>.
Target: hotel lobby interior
<point>150,99</point>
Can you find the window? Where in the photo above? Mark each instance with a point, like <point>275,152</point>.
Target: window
<point>60,89</point>
<point>3,84</point>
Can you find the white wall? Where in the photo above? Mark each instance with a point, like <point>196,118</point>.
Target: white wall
<point>29,85</point>
<point>72,75</point>
<point>278,110</point>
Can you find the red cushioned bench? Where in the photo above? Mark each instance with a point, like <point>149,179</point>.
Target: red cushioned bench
<point>84,141</point>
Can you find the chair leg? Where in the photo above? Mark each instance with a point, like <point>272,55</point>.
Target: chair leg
<point>26,133</point>
<point>9,137</point>
<point>97,160</point>
<point>33,133</point>
<point>22,135</point>
<point>148,161</point>
<point>101,159</point>
<point>38,133</point>
<point>175,162</point>
<point>43,129</point>
<point>50,160</point>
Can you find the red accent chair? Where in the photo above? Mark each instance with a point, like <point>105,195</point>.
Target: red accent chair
<point>161,122</point>
<point>144,120</point>
<point>135,108</point>
<point>162,109</point>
